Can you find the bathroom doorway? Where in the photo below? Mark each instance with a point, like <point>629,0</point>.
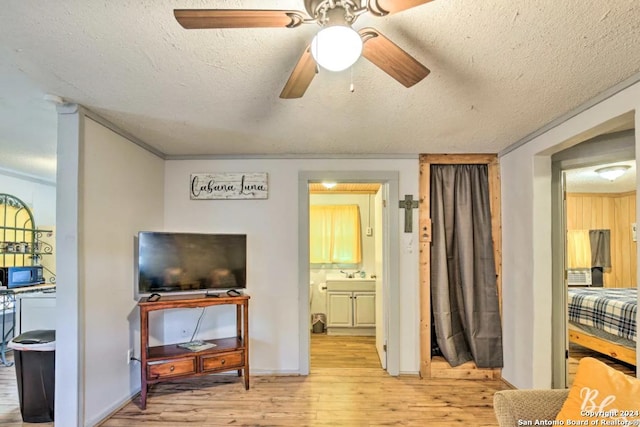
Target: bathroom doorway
<point>349,293</point>
<point>346,274</point>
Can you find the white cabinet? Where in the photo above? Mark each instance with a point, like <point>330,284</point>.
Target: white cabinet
<point>339,309</point>
<point>351,309</point>
<point>351,312</point>
<point>364,309</point>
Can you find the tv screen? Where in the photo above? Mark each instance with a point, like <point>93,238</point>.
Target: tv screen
<point>190,262</point>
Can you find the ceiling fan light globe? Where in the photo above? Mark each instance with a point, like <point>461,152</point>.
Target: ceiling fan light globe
<point>336,48</point>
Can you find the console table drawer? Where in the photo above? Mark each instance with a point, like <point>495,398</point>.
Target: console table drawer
<point>172,368</point>
<point>220,361</point>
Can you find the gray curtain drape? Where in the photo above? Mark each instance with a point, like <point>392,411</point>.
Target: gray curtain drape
<point>464,296</point>
<point>600,241</point>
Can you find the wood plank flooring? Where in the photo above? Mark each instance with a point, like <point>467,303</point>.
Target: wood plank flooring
<point>327,397</point>
<point>331,351</point>
<point>359,395</point>
<point>346,387</point>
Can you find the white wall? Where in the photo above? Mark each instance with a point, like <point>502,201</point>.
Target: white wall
<point>526,225</point>
<point>122,194</point>
<point>272,229</point>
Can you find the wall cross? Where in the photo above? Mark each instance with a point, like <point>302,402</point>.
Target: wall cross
<point>408,204</point>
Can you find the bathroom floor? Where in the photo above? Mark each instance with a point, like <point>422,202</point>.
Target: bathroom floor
<point>334,351</point>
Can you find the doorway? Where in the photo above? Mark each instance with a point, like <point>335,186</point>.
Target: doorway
<point>378,307</point>
<point>585,204</point>
<point>432,365</point>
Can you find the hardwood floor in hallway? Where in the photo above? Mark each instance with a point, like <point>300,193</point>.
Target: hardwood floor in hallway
<point>334,351</point>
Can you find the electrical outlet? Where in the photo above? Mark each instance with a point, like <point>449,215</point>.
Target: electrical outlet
<point>369,231</point>
<point>129,356</point>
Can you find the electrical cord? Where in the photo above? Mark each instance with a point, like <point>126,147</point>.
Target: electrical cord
<point>195,331</point>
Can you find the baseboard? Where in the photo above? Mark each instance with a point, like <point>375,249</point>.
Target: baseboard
<point>265,372</point>
<point>368,332</point>
<point>110,411</point>
<point>508,384</point>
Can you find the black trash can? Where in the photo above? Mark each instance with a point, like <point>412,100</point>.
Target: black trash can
<point>35,358</point>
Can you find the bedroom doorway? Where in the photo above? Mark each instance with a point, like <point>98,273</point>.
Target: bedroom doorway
<point>599,218</point>
<point>594,247</point>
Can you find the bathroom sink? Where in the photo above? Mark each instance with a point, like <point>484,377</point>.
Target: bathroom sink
<point>343,277</point>
<point>355,284</point>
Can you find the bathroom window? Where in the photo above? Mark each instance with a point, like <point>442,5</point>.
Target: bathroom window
<point>334,234</point>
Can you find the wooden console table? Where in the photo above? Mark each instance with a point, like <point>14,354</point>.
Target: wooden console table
<point>169,362</point>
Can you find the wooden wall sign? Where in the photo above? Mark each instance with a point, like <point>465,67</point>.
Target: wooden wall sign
<point>225,186</point>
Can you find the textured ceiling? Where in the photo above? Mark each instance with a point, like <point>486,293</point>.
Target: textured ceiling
<point>586,180</point>
<point>500,69</point>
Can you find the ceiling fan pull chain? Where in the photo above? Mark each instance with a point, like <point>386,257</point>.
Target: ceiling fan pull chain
<point>352,88</point>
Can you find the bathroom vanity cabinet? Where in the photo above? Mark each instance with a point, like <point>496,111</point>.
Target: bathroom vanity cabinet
<point>351,307</point>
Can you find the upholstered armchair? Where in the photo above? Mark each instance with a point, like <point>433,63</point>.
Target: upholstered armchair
<point>512,406</point>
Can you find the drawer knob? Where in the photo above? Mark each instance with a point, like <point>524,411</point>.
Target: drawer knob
<point>172,368</point>
<point>222,362</point>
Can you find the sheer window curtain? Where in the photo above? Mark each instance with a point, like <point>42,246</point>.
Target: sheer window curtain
<point>464,292</point>
<point>334,234</point>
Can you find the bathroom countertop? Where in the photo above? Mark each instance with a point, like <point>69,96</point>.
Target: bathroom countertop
<point>342,277</point>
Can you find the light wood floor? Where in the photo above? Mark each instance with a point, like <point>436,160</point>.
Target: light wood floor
<point>356,393</point>
<point>359,395</point>
<point>331,351</point>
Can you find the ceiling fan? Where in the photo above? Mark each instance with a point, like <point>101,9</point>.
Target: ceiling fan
<point>335,17</point>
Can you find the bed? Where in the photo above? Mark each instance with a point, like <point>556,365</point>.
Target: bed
<point>604,320</point>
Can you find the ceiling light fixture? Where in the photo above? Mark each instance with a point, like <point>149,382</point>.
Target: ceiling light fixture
<point>612,172</point>
<point>328,185</point>
<point>337,46</point>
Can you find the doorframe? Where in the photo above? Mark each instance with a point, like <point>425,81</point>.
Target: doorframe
<point>605,148</point>
<point>391,258</point>
<point>467,370</point>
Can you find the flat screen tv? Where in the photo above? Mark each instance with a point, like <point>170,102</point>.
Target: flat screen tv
<point>190,262</point>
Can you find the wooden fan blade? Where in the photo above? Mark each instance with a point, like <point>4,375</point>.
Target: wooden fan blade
<point>225,18</point>
<point>300,77</point>
<point>385,7</point>
<point>391,59</point>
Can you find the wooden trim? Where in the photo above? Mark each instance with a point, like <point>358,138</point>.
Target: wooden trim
<point>603,346</point>
<point>458,159</point>
<point>625,194</point>
<point>442,369</point>
<point>495,201</point>
<point>425,268</point>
